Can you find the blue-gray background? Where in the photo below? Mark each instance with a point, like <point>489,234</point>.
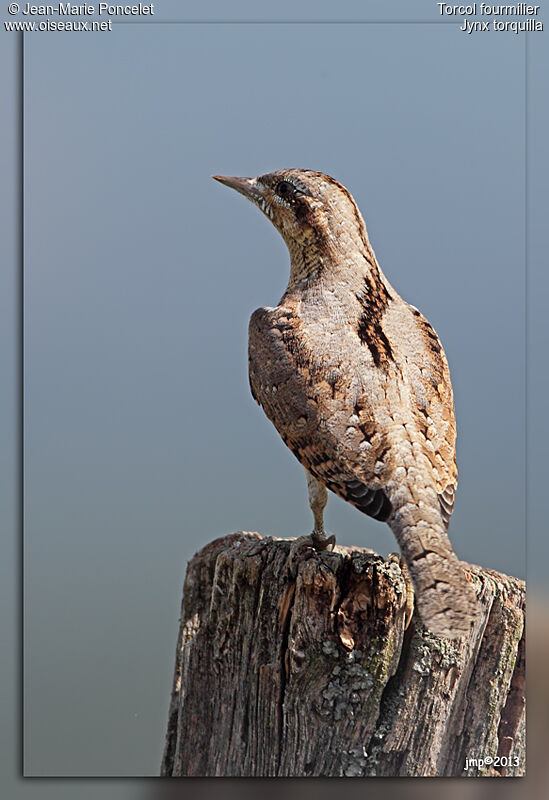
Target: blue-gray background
<point>141,440</point>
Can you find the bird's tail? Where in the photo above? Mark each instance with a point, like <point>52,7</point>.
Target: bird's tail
<point>445,598</point>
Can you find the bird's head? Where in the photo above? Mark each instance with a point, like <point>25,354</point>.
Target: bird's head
<point>310,210</point>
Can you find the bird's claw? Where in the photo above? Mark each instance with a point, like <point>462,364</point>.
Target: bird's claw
<point>305,547</point>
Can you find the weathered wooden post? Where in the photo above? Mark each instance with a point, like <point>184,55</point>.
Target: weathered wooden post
<point>312,673</point>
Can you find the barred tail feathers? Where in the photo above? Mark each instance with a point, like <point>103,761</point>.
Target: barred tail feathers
<point>445,598</point>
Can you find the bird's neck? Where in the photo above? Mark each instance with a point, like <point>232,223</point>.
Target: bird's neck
<point>339,263</point>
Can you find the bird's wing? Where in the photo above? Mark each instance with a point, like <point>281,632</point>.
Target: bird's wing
<point>310,409</point>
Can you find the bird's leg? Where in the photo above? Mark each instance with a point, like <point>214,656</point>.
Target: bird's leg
<point>409,589</point>
<point>306,545</point>
<point>318,497</point>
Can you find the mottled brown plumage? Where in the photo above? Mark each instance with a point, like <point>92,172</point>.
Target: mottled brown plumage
<point>356,382</point>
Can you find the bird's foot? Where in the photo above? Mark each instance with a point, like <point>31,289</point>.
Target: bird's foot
<point>409,588</point>
<point>306,546</point>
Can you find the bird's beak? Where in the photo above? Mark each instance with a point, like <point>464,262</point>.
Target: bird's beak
<point>246,186</point>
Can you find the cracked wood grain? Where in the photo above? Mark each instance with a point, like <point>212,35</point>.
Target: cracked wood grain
<point>312,673</point>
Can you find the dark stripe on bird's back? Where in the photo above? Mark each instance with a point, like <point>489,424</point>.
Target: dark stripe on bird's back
<point>374,299</point>
<point>429,334</point>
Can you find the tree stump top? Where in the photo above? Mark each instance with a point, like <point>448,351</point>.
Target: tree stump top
<point>310,672</point>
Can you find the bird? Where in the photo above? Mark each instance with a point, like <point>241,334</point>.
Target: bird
<point>357,384</point>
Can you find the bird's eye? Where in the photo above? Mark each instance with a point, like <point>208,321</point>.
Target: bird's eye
<point>285,189</point>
